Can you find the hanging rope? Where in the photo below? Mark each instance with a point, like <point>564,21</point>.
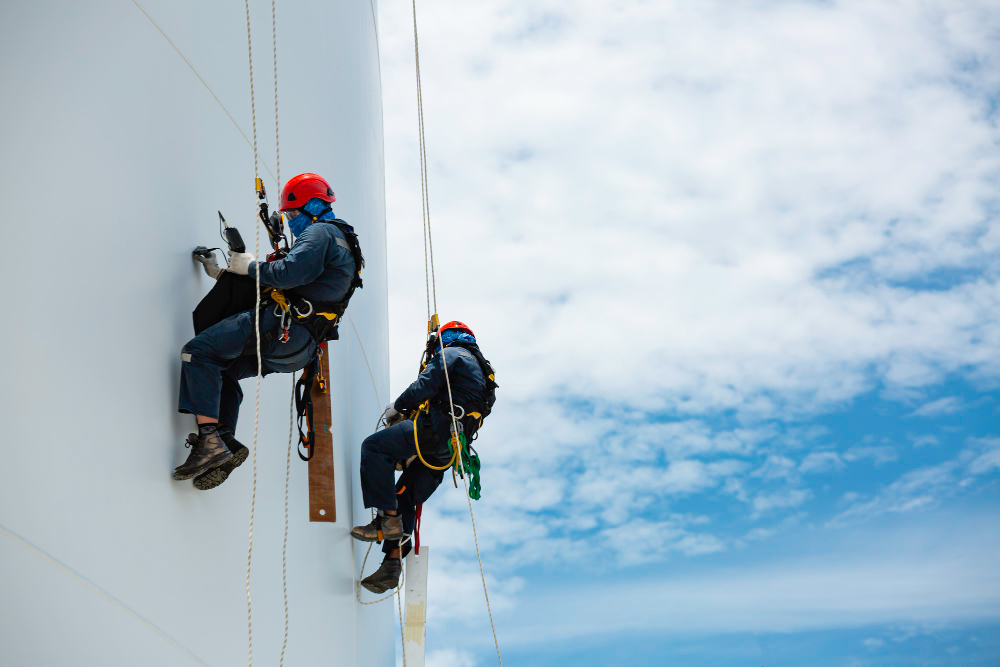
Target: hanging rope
<point>424,198</point>
<point>432,297</point>
<point>284,542</point>
<point>256,415</point>
<point>291,404</point>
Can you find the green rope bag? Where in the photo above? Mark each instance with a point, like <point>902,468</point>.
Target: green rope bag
<point>471,464</point>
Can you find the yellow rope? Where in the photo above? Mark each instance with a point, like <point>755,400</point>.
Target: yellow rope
<point>416,442</point>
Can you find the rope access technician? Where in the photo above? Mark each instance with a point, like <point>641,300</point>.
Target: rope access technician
<point>421,417</point>
<point>319,273</point>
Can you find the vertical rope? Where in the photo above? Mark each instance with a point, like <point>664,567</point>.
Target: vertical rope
<point>274,46</point>
<point>402,634</point>
<point>284,543</point>
<point>465,483</point>
<point>291,403</point>
<point>432,294</point>
<point>256,416</point>
<point>424,198</point>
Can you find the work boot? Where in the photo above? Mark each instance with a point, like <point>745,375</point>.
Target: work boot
<point>385,578</point>
<point>391,527</point>
<point>207,451</point>
<point>216,476</point>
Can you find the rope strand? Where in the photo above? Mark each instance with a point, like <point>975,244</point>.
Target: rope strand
<point>424,198</point>
<point>256,416</point>
<point>291,403</point>
<point>432,294</point>
<point>284,543</point>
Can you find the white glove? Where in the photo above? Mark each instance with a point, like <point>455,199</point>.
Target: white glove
<point>239,262</point>
<point>209,262</point>
<point>392,416</point>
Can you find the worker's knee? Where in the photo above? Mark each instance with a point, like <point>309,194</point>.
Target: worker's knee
<point>370,447</point>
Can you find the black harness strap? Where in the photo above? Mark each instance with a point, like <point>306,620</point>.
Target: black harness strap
<point>304,409</point>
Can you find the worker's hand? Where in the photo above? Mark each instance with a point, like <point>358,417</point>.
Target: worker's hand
<point>206,258</point>
<point>239,262</point>
<point>392,416</point>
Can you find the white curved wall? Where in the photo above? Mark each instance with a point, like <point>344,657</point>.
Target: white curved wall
<point>115,159</point>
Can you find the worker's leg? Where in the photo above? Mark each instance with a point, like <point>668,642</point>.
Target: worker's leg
<point>379,454</point>
<point>231,397</point>
<point>203,361</point>
<point>414,487</point>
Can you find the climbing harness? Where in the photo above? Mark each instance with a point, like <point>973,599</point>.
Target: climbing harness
<point>302,395</point>
<point>465,424</point>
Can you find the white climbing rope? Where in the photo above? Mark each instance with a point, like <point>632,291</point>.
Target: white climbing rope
<point>260,366</point>
<point>432,293</point>
<point>284,542</point>
<point>424,198</point>
<point>291,402</point>
<point>465,483</point>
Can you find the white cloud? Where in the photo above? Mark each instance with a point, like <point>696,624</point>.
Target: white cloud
<point>989,458</point>
<point>730,211</point>
<point>877,454</point>
<point>924,487</point>
<point>642,541</point>
<point>782,500</point>
<point>948,405</point>
<point>748,200</point>
<point>819,462</point>
<point>898,576</point>
<point>924,440</point>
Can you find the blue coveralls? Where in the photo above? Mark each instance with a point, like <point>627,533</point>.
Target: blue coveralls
<point>213,362</point>
<point>383,449</point>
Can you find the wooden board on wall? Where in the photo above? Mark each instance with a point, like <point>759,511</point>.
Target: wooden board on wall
<point>322,501</point>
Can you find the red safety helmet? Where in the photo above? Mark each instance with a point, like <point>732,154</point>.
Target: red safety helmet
<point>432,338</point>
<point>455,324</point>
<point>300,189</point>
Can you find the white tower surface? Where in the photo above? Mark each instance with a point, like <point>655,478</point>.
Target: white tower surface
<point>115,159</point>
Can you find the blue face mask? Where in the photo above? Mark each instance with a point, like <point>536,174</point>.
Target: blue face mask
<point>314,207</point>
<point>298,224</point>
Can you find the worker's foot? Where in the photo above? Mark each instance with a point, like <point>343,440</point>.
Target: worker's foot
<point>385,578</point>
<point>207,451</point>
<point>216,476</point>
<point>382,527</point>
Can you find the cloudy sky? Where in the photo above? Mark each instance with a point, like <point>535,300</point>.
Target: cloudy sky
<point>736,265</point>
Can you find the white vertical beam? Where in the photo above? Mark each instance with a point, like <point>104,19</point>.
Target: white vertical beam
<point>416,608</point>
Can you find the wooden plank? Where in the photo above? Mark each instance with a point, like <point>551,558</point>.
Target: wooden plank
<point>416,607</point>
<point>322,501</point>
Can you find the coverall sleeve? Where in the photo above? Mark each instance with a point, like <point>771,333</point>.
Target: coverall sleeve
<point>304,263</point>
<point>427,385</point>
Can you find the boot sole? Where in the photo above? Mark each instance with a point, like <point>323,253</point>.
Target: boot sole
<point>203,469</point>
<point>363,538</point>
<point>378,589</point>
<point>216,476</point>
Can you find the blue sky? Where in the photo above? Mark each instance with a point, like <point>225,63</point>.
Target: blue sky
<point>736,265</point>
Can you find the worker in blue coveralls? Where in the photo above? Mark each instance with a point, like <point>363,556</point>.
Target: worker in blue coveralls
<point>319,267</point>
<point>394,448</point>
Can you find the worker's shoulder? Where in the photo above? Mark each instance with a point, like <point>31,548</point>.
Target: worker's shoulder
<point>323,232</point>
<point>457,354</point>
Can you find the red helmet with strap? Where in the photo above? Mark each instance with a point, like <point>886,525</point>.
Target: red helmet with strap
<point>455,324</point>
<point>433,337</point>
<point>300,189</point>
